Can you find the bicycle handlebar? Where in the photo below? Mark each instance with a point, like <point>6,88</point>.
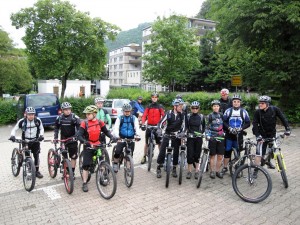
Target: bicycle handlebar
<point>26,141</point>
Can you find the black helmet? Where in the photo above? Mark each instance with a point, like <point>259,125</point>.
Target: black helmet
<point>154,94</point>
<point>215,102</point>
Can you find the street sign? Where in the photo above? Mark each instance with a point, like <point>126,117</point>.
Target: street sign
<point>236,80</point>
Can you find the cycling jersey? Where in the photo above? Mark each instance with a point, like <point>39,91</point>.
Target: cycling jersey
<point>153,113</point>
<point>225,104</point>
<point>68,126</point>
<point>103,115</point>
<point>31,130</point>
<point>173,122</point>
<point>215,124</point>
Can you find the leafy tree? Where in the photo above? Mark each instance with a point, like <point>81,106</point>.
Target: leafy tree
<point>14,72</point>
<point>268,33</point>
<point>172,52</point>
<point>204,11</point>
<point>62,41</point>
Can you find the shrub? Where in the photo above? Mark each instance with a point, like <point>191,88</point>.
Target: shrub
<point>8,112</point>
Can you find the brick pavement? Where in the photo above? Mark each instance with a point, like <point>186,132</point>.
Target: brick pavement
<point>147,201</point>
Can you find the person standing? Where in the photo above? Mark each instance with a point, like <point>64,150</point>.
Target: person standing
<point>264,126</point>
<point>152,114</point>
<point>68,124</point>
<point>195,122</point>
<point>225,100</point>
<point>32,128</point>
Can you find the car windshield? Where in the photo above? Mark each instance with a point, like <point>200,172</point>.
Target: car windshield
<point>37,101</point>
<point>120,103</point>
<point>107,104</point>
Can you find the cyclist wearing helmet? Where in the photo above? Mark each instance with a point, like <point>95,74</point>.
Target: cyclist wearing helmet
<point>126,126</point>
<point>153,114</point>
<point>173,122</point>
<point>185,105</point>
<point>32,128</point>
<point>68,124</point>
<point>216,147</point>
<point>195,122</point>
<point>103,115</point>
<point>264,126</point>
<point>138,109</point>
<point>89,134</point>
<point>225,100</point>
<point>235,119</point>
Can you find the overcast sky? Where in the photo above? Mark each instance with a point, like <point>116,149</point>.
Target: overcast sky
<point>126,14</point>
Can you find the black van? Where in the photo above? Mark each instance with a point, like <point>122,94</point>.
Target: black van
<point>46,105</point>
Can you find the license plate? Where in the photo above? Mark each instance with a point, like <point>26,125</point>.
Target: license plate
<point>44,114</point>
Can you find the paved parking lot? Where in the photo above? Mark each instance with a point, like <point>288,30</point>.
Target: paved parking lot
<point>147,201</point>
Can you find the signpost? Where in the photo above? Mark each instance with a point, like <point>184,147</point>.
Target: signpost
<point>236,80</point>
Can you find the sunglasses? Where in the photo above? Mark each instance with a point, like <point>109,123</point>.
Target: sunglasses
<point>194,108</point>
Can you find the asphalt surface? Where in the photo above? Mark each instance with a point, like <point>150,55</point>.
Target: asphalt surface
<point>147,201</point>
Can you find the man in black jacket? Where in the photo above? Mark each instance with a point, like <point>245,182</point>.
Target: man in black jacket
<point>264,126</point>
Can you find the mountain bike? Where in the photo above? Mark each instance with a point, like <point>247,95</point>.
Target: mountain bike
<point>274,151</point>
<point>182,158</point>
<point>204,158</point>
<point>58,158</point>
<point>251,182</point>
<point>106,180</point>
<point>22,157</point>
<point>126,156</point>
<point>151,144</point>
<point>169,156</point>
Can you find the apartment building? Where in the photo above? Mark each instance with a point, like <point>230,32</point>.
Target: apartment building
<point>124,66</point>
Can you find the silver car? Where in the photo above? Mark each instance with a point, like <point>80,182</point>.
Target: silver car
<point>114,107</point>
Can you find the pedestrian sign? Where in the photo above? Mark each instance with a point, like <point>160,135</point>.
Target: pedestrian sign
<point>236,80</point>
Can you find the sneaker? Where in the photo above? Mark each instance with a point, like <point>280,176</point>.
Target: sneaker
<point>158,172</point>
<point>212,175</point>
<point>270,165</point>
<point>188,175</point>
<point>174,174</point>
<point>85,187</point>
<point>38,174</point>
<point>196,175</point>
<point>220,175</point>
<point>144,160</point>
<point>115,167</point>
<point>224,170</point>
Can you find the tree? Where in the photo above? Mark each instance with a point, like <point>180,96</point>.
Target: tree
<point>14,72</point>
<point>267,35</point>
<point>172,53</point>
<point>62,41</point>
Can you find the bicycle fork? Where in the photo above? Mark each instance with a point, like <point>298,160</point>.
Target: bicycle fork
<point>276,161</point>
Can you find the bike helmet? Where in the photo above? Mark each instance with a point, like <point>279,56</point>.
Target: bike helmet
<point>264,98</point>
<point>178,96</point>
<point>237,96</point>
<point>30,110</point>
<point>154,94</point>
<point>224,91</point>
<point>126,107</point>
<point>177,102</point>
<point>195,104</point>
<point>66,105</point>
<point>90,109</point>
<point>99,99</point>
<point>215,102</point>
<point>140,98</point>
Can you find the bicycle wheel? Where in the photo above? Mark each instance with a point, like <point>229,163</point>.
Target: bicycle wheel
<point>81,169</point>
<point>106,155</point>
<point>128,170</point>
<point>106,180</point>
<point>150,155</point>
<point>202,168</point>
<point>16,162</point>
<point>168,169</point>
<point>254,186</point>
<point>282,171</point>
<point>29,174</point>
<point>68,176</point>
<point>79,148</point>
<point>53,162</point>
<point>181,166</point>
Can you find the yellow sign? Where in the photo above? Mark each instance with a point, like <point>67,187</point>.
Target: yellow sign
<point>236,80</point>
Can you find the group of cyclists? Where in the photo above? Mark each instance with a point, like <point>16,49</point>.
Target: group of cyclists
<point>227,119</point>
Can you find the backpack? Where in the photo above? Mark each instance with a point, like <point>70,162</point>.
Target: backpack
<point>132,103</point>
<point>87,126</point>
<point>201,119</point>
<point>122,121</point>
<point>74,120</point>
<point>23,126</point>
<point>241,113</point>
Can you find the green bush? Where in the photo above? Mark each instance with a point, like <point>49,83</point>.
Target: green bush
<point>8,112</point>
<point>78,104</point>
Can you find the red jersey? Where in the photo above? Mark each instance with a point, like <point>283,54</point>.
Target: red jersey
<point>93,130</point>
<point>153,113</point>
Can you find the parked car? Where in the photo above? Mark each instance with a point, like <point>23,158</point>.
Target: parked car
<point>46,105</point>
<point>114,107</point>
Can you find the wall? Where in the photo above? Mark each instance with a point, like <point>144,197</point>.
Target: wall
<point>72,90</point>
